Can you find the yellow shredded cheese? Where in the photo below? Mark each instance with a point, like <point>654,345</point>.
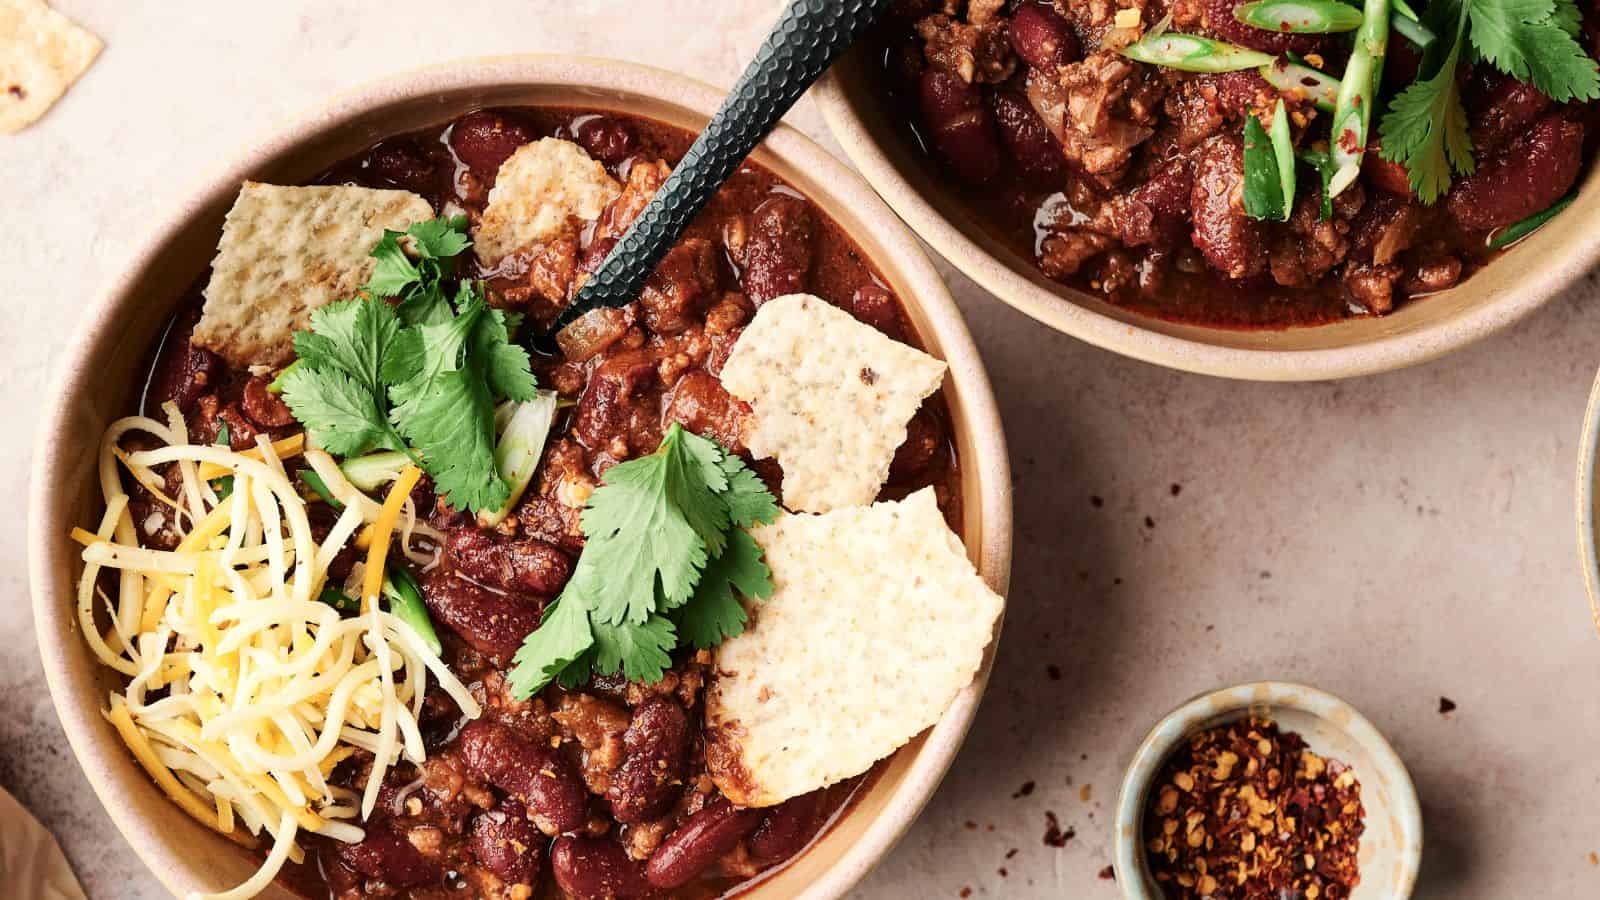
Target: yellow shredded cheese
<point>243,691</point>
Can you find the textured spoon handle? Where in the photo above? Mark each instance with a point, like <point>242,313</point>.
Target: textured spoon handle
<point>807,38</point>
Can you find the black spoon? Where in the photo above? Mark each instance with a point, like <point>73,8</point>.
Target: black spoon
<point>807,38</point>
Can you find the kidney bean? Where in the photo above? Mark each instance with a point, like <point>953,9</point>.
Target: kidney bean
<point>1219,20</point>
<point>1043,37</point>
<point>386,854</point>
<point>402,164</point>
<point>505,843</point>
<point>1035,149</point>
<point>605,408</point>
<point>519,566</point>
<point>678,291</point>
<point>652,771</point>
<point>609,140</point>
<point>920,450</point>
<point>701,404</point>
<point>589,868</point>
<point>699,842</point>
<point>959,125</point>
<point>184,374</point>
<point>484,139</point>
<point>779,249</point>
<point>1533,172</point>
<point>491,623</point>
<point>543,780</point>
<point>1168,192</point>
<point>1384,175</point>
<point>263,406</point>
<point>1501,109</point>
<point>786,828</point>
<point>874,305</point>
<point>1231,241</point>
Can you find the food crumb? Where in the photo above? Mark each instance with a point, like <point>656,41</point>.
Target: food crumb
<point>1176,489</point>
<point>970,825</point>
<point>1149,522</point>
<point>1446,706</point>
<point>1096,502</point>
<point>1265,575</point>
<point>1054,836</point>
<point>989,827</point>
<point>1025,790</point>
<point>1594,858</point>
<point>1003,872</point>
<point>1053,671</point>
<point>1010,853</point>
<point>1083,792</point>
<point>1109,873</point>
<point>966,892</point>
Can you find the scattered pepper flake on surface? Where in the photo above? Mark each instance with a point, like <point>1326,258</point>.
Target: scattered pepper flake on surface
<point>1176,489</point>
<point>1109,873</point>
<point>1096,502</point>
<point>1054,836</point>
<point>1446,706</point>
<point>1083,792</point>
<point>966,892</point>
<point>1149,522</point>
<point>1244,810</point>
<point>1025,790</point>
<point>1010,853</point>
<point>1053,671</point>
<point>1003,872</point>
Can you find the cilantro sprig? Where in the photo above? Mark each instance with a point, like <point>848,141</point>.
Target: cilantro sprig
<point>1534,41</point>
<point>421,376</point>
<point>665,562</point>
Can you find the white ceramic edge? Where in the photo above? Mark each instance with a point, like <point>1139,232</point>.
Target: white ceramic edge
<point>995,276</point>
<point>1164,737</point>
<point>959,351</point>
<point>1588,448</point>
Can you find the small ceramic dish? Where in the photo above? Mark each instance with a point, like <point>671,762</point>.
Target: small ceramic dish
<point>852,101</point>
<point>1391,847</point>
<point>1588,463</point>
<point>113,340</point>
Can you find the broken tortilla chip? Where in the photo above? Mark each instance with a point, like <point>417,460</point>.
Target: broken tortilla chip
<point>42,53</point>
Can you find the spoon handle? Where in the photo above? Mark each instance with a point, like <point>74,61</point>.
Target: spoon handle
<point>805,41</point>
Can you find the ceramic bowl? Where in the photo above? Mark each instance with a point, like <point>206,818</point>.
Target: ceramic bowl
<point>1588,462</point>
<point>1513,286</point>
<point>1391,846</point>
<point>91,389</point>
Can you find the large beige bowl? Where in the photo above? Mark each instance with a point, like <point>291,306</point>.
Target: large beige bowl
<point>97,381</point>
<point>1513,286</point>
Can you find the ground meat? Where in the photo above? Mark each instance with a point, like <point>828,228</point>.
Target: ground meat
<point>1231,241</point>
<point>970,51</point>
<point>1100,109</point>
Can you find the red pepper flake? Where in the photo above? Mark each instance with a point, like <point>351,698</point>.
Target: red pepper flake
<point>1010,853</point>
<point>1025,790</point>
<point>1244,810</point>
<point>1096,502</point>
<point>965,893</point>
<point>1054,836</point>
<point>1003,872</point>
<point>1446,706</point>
<point>1176,489</point>
<point>970,825</point>
<point>1109,873</point>
<point>16,91</point>
<point>1149,522</point>
<point>1053,671</point>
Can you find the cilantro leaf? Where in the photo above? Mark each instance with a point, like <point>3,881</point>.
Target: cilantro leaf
<point>640,650</point>
<point>646,526</point>
<point>506,365</point>
<point>440,238</point>
<point>352,336</point>
<point>450,419</point>
<point>1529,40</point>
<point>747,498</point>
<point>1425,128</point>
<point>341,416</point>
<point>336,389</point>
<point>714,613</point>
<point>562,636</point>
<point>394,271</point>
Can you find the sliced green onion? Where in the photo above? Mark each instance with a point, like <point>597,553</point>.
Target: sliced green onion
<point>1293,78</point>
<point>1299,16</point>
<point>1283,150</point>
<point>1516,231</point>
<point>1404,9</point>
<point>1191,53</point>
<point>405,604</point>
<point>276,387</point>
<point>1263,180</point>
<point>337,599</point>
<point>1415,32</point>
<point>1358,93</point>
<point>224,437</point>
<point>320,488</point>
<point>222,487</point>
<point>520,445</point>
<point>1323,163</point>
<point>373,471</point>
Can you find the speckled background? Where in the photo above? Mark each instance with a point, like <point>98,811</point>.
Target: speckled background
<point>1394,540</point>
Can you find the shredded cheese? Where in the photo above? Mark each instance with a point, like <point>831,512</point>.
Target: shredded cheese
<point>243,691</point>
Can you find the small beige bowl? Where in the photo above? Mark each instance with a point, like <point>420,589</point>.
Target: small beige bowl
<point>1588,510</point>
<point>1513,286</point>
<point>1391,847</point>
<point>97,377</point>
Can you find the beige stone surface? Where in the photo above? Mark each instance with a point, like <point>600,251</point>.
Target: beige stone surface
<point>1392,540</point>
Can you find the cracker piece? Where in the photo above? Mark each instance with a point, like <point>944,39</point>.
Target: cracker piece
<point>42,53</point>
<point>538,192</point>
<point>830,398</point>
<point>876,621</point>
<point>286,251</point>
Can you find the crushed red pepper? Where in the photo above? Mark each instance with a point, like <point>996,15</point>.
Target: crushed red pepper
<point>1245,811</point>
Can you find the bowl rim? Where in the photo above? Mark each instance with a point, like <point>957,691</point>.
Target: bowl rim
<point>1385,353</point>
<point>837,187</point>
<point>1588,461</point>
<point>1164,737</point>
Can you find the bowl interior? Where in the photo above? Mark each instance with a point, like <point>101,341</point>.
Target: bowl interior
<point>855,106</point>
<point>1391,845</point>
<point>188,857</point>
<point>1588,502</point>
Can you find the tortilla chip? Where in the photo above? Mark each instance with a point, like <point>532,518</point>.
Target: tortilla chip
<point>42,53</point>
<point>538,193</point>
<point>286,251</point>
<point>830,397</point>
<point>877,620</point>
